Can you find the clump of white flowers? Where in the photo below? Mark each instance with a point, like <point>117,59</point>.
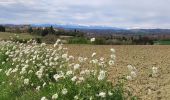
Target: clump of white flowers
<point>154,71</point>
<point>43,68</point>
<point>102,94</point>
<point>112,56</point>
<point>76,66</point>
<point>64,91</point>
<point>92,39</point>
<point>102,75</point>
<point>133,72</point>
<point>26,81</point>
<point>55,96</point>
<point>44,98</point>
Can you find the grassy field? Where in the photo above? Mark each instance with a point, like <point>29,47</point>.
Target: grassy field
<point>6,35</point>
<point>162,42</point>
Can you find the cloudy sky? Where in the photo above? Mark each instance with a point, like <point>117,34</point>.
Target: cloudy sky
<point>116,13</point>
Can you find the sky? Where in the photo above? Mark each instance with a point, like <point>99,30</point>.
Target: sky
<point>115,13</point>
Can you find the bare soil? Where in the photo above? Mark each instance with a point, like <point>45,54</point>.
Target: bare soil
<point>143,58</point>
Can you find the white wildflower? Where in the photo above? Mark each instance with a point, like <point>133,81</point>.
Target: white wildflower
<point>69,73</point>
<point>71,57</point>
<point>101,59</point>
<point>39,73</point>
<point>3,62</point>
<point>14,70</point>
<point>110,93</point>
<point>76,97</point>
<point>92,39</point>
<point>80,59</point>
<point>26,81</point>
<point>149,91</point>
<point>44,98</point>
<point>64,56</point>
<point>101,75</point>
<point>113,57</point>
<point>55,96</point>
<point>81,79</point>
<point>38,88</point>
<point>130,67</point>
<point>30,71</point>
<point>102,94</point>
<point>74,78</point>
<point>56,77</point>
<point>93,54</point>
<point>112,50</point>
<point>8,72</point>
<point>154,71</point>
<point>10,83</point>
<point>44,84</point>
<point>111,62</point>
<point>43,44</point>
<point>94,61</point>
<point>133,74</point>
<point>76,66</point>
<point>129,78</point>
<point>64,91</point>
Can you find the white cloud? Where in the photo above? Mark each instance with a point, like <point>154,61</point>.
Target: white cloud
<point>117,13</point>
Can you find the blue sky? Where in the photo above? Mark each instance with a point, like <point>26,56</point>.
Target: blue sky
<point>116,13</point>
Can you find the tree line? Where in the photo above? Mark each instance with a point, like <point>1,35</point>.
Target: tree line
<point>2,28</point>
<point>50,30</point>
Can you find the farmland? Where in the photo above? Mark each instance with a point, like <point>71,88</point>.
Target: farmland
<point>6,35</point>
<point>143,58</point>
<point>162,42</point>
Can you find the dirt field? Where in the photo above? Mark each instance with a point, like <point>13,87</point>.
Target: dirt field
<point>143,58</point>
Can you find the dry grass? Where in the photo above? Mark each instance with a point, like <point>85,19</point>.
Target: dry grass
<point>143,58</point>
<point>6,35</point>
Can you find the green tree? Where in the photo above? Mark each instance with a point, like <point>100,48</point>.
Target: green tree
<point>30,30</point>
<point>45,32</point>
<point>2,28</point>
<point>51,30</point>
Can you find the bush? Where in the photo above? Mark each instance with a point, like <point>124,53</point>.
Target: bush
<point>49,39</point>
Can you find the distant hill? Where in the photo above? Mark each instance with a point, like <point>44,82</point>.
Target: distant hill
<point>104,29</point>
<point>99,30</point>
<point>72,26</point>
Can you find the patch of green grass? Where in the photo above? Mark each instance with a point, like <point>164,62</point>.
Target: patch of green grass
<point>162,42</point>
<point>78,40</point>
<point>7,35</point>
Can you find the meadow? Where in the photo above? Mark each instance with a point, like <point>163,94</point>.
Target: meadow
<point>162,42</point>
<point>32,71</point>
<point>7,36</point>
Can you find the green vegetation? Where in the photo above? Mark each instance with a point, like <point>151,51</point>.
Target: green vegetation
<point>2,28</point>
<point>162,42</point>
<point>35,72</point>
<point>78,40</point>
<point>7,36</point>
